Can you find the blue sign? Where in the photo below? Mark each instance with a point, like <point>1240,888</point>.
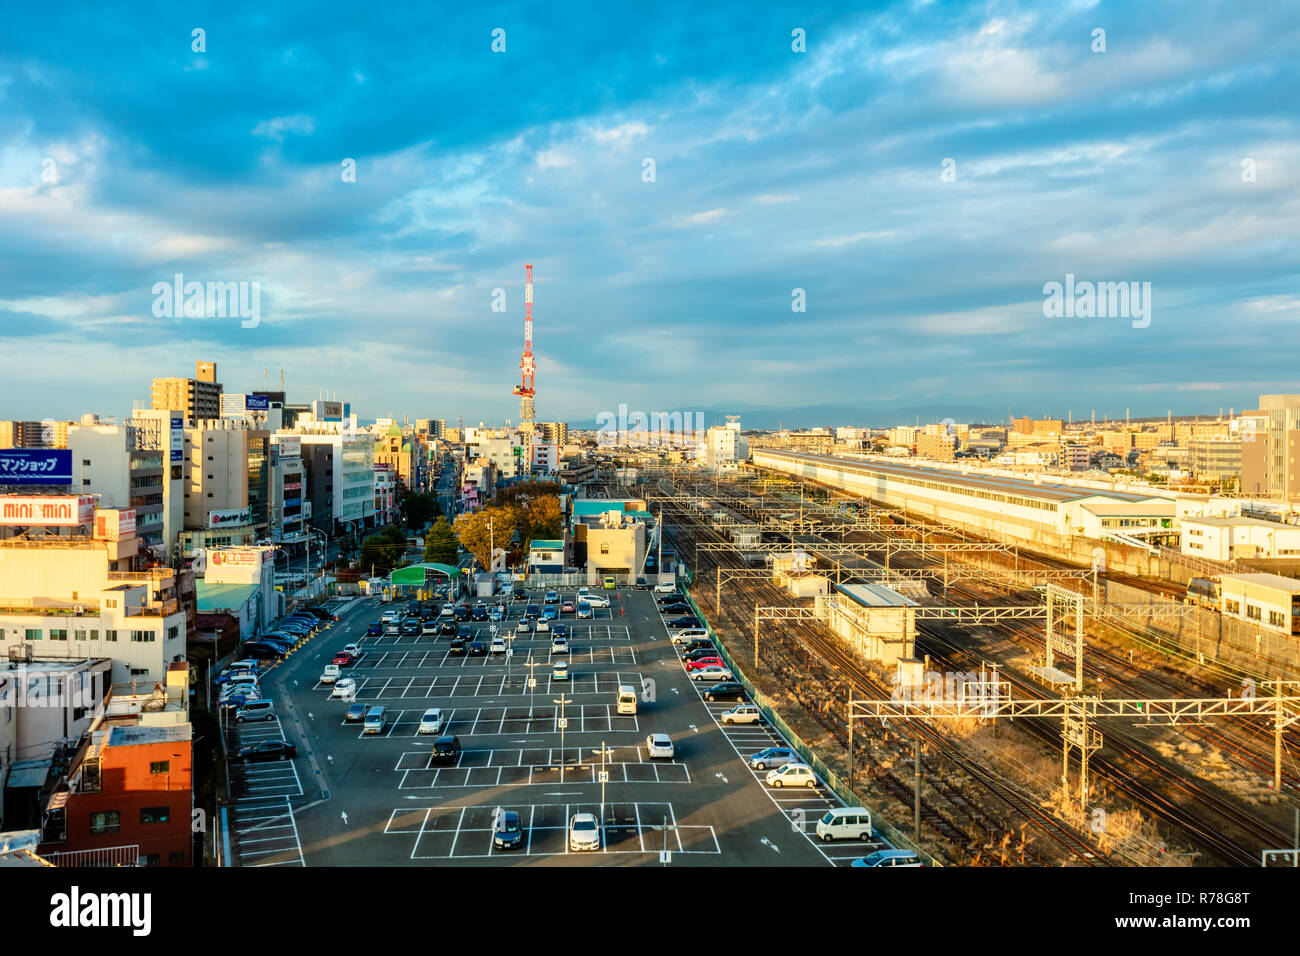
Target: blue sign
<point>35,466</point>
<point>256,403</point>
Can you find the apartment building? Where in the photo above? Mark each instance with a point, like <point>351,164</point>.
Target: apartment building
<point>198,397</point>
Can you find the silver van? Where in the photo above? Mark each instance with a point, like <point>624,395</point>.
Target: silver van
<point>376,720</point>
<point>255,710</point>
<point>845,823</point>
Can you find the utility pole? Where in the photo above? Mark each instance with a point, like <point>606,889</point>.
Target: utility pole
<point>564,722</point>
<point>916,790</point>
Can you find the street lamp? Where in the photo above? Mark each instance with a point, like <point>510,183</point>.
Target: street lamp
<point>532,666</point>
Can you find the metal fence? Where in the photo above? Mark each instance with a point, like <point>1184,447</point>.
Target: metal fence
<point>832,780</point>
<point>104,857</point>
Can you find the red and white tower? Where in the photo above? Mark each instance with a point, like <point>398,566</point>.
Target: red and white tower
<point>526,391</point>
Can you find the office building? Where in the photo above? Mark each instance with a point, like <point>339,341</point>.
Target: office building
<point>198,397</point>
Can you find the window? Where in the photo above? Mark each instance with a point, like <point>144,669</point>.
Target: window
<point>160,766</point>
<point>110,821</point>
<point>173,631</point>
<point>1276,618</point>
<point>142,637</point>
<point>110,636</point>
<point>34,634</point>
<point>1233,607</point>
<point>154,814</point>
<point>1253,612</point>
<point>152,859</point>
<point>58,633</point>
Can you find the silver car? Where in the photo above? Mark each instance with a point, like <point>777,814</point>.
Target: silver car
<point>774,757</point>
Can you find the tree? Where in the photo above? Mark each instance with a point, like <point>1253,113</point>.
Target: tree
<point>440,544</point>
<point>475,536</point>
<point>419,508</point>
<point>383,549</point>
<point>542,519</point>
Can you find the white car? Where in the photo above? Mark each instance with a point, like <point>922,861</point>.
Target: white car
<point>345,689</point>
<point>584,592</point>
<point>596,600</point>
<point>330,675</point>
<point>429,627</point>
<point>687,634</point>
<point>543,625</point>
<point>665,588</point>
<point>743,714</point>
<point>431,722</point>
<point>498,645</point>
<point>584,832</point>
<point>560,670</point>
<point>559,645</point>
<point>250,691</point>
<point>713,672</point>
<point>659,745</point>
<point>792,775</point>
<point>525,626</point>
<point>352,650</point>
<point>448,610</point>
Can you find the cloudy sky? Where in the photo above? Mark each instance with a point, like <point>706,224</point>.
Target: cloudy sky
<point>920,172</point>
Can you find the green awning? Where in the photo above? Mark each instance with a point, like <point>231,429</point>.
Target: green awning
<point>415,575</point>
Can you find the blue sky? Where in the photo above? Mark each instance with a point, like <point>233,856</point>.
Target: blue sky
<point>774,171</point>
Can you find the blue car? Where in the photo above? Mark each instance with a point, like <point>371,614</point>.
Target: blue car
<point>550,612</point>
<point>559,630</point>
<point>375,628</point>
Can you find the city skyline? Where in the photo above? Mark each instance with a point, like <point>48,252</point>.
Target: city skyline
<point>1166,159</point>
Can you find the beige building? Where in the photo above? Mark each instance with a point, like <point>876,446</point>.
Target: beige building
<point>227,471</point>
<point>1267,601</point>
<point>198,397</point>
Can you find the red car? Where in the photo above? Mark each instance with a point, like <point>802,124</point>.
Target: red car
<point>343,658</point>
<point>703,662</point>
<point>566,607</point>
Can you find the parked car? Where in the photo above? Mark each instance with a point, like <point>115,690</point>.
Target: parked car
<point>584,832</point>
<point>560,670</point>
<point>888,858</point>
<point>659,746</point>
<point>711,660</point>
<point>559,645</point>
<point>844,823</point>
<point>713,672</point>
<point>498,613</point>
<point>665,588</point>
<point>677,623</point>
<point>551,612</point>
<point>688,634</point>
<point>267,750</point>
<point>431,721</point>
<point>792,775</point>
<point>744,714</point>
<point>446,627</point>
<point>727,690</point>
<point>508,832</point>
<point>330,674</point>
<point>498,645</point>
<point>542,625</point>
<point>462,612</point>
<point>429,628</point>
<point>559,630</point>
<point>448,610</point>
<point>533,610</point>
<point>699,654</point>
<point>584,611</point>
<point>263,651</point>
<point>343,659</point>
<point>676,607</point>
<point>352,649</point>
<point>255,710</point>
<point>446,750</point>
<point>774,757</point>
<point>525,626</point>
<point>411,629</point>
<point>345,689</point>
<point>552,597</point>
<point>375,629</point>
<point>355,713</point>
<point>566,606</point>
<point>480,612</point>
<point>596,600</point>
<point>477,649</point>
<point>458,645</point>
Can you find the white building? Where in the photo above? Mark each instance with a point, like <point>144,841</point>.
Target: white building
<point>1230,538</point>
<point>353,481</point>
<point>504,453</point>
<point>725,446</point>
<point>1267,601</point>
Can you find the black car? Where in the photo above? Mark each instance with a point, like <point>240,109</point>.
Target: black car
<point>518,594</point>
<point>681,607</point>
<point>462,612</point>
<point>727,690</point>
<point>262,652</point>
<point>320,612</point>
<point>700,654</point>
<point>446,750</point>
<point>508,834</point>
<point>447,627</point>
<point>411,629</point>
<point>267,750</point>
<point>459,644</point>
<point>702,643</point>
<point>476,649</point>
<point>480,612</point>
<point>678,623</point>
<point>641,584</point>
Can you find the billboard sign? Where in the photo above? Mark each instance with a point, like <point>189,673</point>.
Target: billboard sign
<point>229,518</point>
<point>114,524</point>
<point>329,411</point>
<point>256,403</point>
<point>290,446</point>
<point>240,557</point>
<point>178,437</point>
<point>35,466</point>
<point>48,511</point>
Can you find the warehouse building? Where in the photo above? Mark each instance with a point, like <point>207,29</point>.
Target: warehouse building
<point>1267,601</point>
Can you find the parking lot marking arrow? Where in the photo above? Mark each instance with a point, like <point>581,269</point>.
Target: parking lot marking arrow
<point>766,842</point>
<point>721,777</point>
<point>344,815</point>
<point>694,728</point>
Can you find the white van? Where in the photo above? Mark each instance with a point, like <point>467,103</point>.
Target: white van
<point>626,699</point>
<point>376,720</point>
<point>255,710</point>
<point>845,823</point>
<point>688,634</point>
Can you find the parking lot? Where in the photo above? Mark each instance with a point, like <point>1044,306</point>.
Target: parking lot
<point>545,747</point>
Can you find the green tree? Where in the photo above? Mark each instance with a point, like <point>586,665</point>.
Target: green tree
<point>383,549</point>
<point>418,509</point>
<point>440,545</point>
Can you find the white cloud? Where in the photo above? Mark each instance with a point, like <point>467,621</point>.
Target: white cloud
<point>277,127</point>
<point>701,218</point>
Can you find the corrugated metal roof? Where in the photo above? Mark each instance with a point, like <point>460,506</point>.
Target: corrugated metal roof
<point>874,595</point>
<point>1045,491</point>
<point>28,773</point>
<point>148,734</point>
<point>222,597</point>
<point>596,506</point>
